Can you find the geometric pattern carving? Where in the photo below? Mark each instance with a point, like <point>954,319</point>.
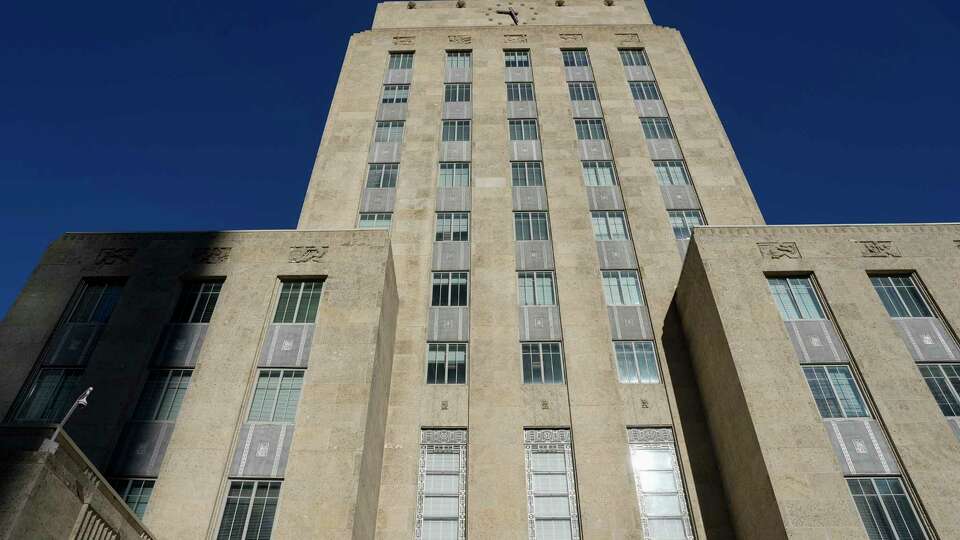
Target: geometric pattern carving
<point>550,441</point>
<point>878,248</point>
<point>658,517</point>
<point>303,254</point>
<point>650,436</point>
<point>779,250</point>
<point>443,441</point>
<point>211,255</point>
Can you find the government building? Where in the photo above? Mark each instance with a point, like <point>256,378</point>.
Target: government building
<point>530,296</point>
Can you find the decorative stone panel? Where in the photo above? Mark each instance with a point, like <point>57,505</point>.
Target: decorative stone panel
<point>664,149</point>
<point>616,255</point>
<point>927,339</point>
<point>384,152</point>
<point>180,345</point>
<point>458,110</point>
<point>534,255</point>
<point>398,76</point>
<point>455,151</point>
<point>540,323</point>
<point>518,74</point>
<point>451,255</point>
<point>525,151</point>
<point>586,109</point>
<point>529,198</point>
<point>817,342</point>
<point>262,450</point>
<point>604,198</point>
<point>72,344</point>
<point>392,111</point>
<point>595,150</point>
<point>287,345</point>
<point>458,75</point>
<point>639,73</point>
<point>448,324</point>
<point>650,108</point>
<point>630,322</point>
<point>579,73</point>
<point>522,109</point>
<point>378,199</point>
<point>682,197</point>
<point>861,446</point>
<point>453,199</point>
<point>141,449</point>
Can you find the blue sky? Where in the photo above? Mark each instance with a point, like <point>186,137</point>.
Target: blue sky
<point>119,116</point>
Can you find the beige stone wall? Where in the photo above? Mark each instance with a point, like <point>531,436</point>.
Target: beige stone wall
<point>728,270</point>
<point>495,406</point>
<point>341,414</point>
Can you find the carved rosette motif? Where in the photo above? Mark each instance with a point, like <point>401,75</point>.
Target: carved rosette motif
<point>650,436</point>
<point>112,256</point>
<point>878,248</point>
<point>305,254</point>
<point>779,250</point>
<point>546,436</point>
<point>443,436</point>
<point>211,255</point>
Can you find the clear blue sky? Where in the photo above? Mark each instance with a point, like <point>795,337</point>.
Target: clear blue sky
<point>177,115</point>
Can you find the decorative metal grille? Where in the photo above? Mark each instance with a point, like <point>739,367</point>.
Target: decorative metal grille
<point>550,441</point>
<point>443,441</point>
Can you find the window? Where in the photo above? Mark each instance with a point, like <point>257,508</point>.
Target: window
<point>454,174</point>
<point>835,392</point>
<point>590,129</point>
<point>135,492</point>
<point>582,91</point>
<point>442,487</point>
<point>514,59</point>
<point>633,57</point>
<point>396,93</point>
<point>52,393</point>
<point>683,222</point>
<point>520,91</point>
<point>276,395</point>
<point>458,59</point>
<point>536,289</point>
<point>250,510</point>
<point>163,394</point>
<point>452,227</point>
<point>885,509</point>
<point>382,175</point>
<point>447,363</point>
<point>672,173</point>
<point>542,363</point>
<point>599,173</point>
<point>622,288</point>
<point>552,495</point>
<point>449,289</point>
<point>403,60</point>
<point>796,298</point>
<point>644,90</point>
<point>527,173</point>
<point>531,226</point>
<point>375,220</point>
<point>656,128</point>
<point>636,362</point>
<point>901,296</point>
<point>298,302</point>
<point>456,93</point>
<point>575,58</point>
<point>609,225</point>
<point>523,130</point>
<point>456,130</point>
<point>944,382</point>
<point>389,131</point>
<point>656,474</point>
<point>196,302</point>
<point>94,301</point>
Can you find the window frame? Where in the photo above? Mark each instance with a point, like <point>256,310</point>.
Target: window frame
<point>601,220</point>
<point>590,171</point>
<point>458,129</point>
<point>582,91</point>
<point>388,131</point>
<point>625,295</point>
<point>535,225</point>
<point>66,389</point>
<point>375,218</point>
<point>659,440</point>
<point>450,232</point>
<point>629,57</point>
<point>520,92</point>
<point>896,292</point>
<point>658,128</point>
<point>533,353</point>
<point>645,91</point>
<point>881,499</point>
<point>537,289</point>
<point>792,284</point>
<point>403,57</point>
<point>300,292</point>
<point>446,289</point>
<point>524,127</point>
<point>590,129</point>
<point>455,59</point>
<point>255,484</point>
<point>686,231</point>
<point>286,374</point>
<point>442,441</point>
<point>449,349</point>
<point>170,395</point>
<point>124,487</point>
<point>666,175</point>
<point>454,172</point>
<point>836,401</point>
<point>205,293</point>
<point>382,175</point>
<point>946,385</point>
<point>642,365</point>
<point>575,58</point>
<point>521,173</point>
<point>519,57</point>
<point>550,441</point>
<point>459,92</point>
<point>395,93</point>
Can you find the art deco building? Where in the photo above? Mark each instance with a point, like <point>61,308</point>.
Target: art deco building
<point>530,296</point>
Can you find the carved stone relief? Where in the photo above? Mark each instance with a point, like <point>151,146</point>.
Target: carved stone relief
<point>878,248</point>
<point>779,250</point>
<point>571,37</point>
<point>515,38</point>
<point>303,254</point>
<point>403,40</point>
<point>211,255</point>
<point>111,256</point>
<point>461,39</point>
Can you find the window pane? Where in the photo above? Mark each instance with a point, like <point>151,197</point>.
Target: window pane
<point>672,172</point>
<point>298,301</point>
<point>656,473</point>
<point>846,391</point>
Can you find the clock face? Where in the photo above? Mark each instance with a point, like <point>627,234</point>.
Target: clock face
<point>524,13</point>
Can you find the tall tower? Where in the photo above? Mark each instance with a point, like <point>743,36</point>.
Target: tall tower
<point>539,165</point>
